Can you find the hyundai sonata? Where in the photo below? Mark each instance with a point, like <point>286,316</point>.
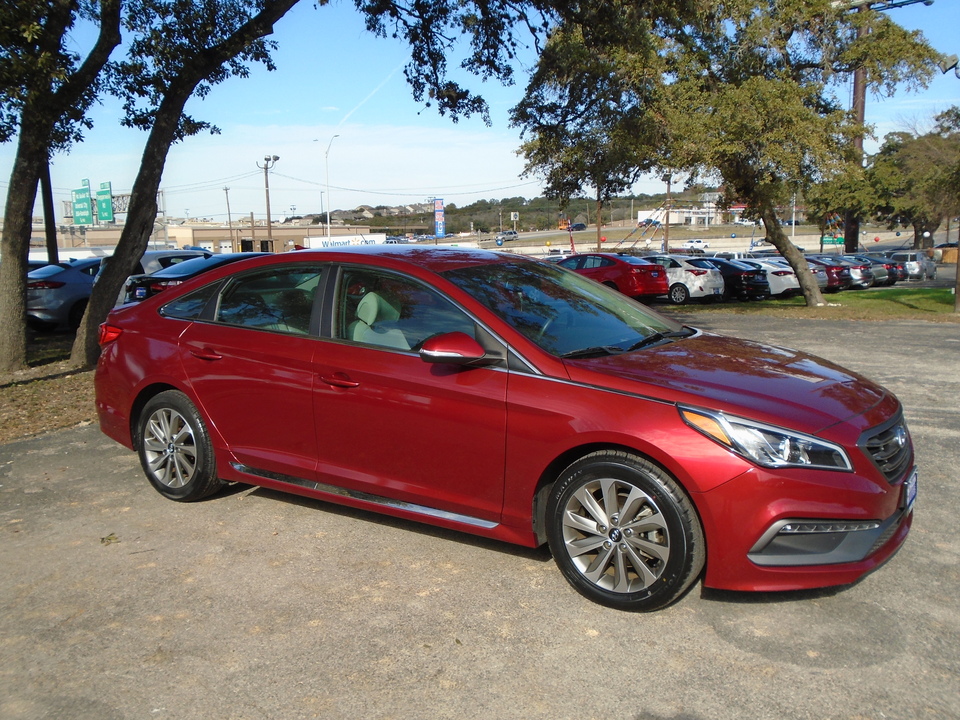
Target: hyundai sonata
<point>516,400</point>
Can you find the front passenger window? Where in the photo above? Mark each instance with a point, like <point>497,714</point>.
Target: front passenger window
<point>393,311</point>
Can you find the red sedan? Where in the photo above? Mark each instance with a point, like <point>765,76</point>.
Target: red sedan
<point>633,276</point>
<point>506,397</point>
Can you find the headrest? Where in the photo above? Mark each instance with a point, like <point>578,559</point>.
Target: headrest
<point>374,308</point>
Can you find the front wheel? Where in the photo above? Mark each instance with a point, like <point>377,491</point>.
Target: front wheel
<point>175,449</point>
<point>623,532</point>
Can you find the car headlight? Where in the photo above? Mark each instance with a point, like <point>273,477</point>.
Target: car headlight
<point>767,445</point>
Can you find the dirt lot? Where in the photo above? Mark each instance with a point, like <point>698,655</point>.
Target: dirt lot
<point>116,604</point>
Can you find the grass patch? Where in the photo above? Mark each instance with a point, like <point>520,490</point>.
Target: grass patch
<point>931,304</point>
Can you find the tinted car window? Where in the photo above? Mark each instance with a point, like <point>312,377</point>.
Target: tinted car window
<point>394,311</point>
<point>271,299</point>
<point>189,306</point>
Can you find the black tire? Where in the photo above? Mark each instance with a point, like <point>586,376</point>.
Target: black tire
<point>640,562</point>
<point>175,449</point>
<point>678,294</point>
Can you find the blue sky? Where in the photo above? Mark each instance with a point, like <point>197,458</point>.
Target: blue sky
<point>333,78</point>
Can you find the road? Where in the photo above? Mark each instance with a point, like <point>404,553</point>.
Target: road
<point>120,605</point>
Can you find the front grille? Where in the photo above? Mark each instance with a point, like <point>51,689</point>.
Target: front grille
<point>889,448</point>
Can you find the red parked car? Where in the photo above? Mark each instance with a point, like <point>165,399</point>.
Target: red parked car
<point>631,275</point>
<point>509,398</point>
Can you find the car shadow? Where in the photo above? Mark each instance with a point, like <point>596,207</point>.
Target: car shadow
<point>541,554</point>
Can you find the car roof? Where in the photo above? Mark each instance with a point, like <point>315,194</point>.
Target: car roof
<point>436,258</point>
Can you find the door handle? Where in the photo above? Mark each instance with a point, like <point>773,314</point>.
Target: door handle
<point>339,379</point>
<point>206,354</point>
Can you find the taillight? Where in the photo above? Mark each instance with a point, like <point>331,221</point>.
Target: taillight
<point>782,273</point>
<point>697,272</point>
<point>158,285</point>
<point>108,333</point>
<point>45,285</point>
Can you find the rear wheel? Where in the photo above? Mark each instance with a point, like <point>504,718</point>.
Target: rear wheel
<point>175,449</point>
<point>623,532</point>
<point>679,294</point>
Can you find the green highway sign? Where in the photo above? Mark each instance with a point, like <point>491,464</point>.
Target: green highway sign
<point>82,207</point>
<point>105,203</point>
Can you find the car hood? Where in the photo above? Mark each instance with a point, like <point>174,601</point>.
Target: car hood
<point>762,382</point>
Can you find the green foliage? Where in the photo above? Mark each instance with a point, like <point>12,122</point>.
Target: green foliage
<point>36,60</point>
<point>914,177</point>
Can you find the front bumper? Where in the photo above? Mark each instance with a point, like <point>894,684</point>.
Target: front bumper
<point>802,535</point>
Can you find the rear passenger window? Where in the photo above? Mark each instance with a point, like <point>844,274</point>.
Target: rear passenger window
<point>279,300</point>
<point>191,305</point>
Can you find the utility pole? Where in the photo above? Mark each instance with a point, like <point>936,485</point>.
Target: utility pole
<point>666,219</point>
<point>326,164</point>
<point>233,246</point>
<point>851,222</point>
<point>268,162</point>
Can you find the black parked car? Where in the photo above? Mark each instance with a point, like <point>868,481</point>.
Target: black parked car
<point>740,281</point>
<point>140,287</point>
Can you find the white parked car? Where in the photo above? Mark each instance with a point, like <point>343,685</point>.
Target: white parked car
<point>782,278</point>
<point>695,245</point>
<point>688,281</point>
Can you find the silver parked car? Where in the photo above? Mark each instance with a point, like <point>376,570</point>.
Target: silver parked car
<point>919,265</point>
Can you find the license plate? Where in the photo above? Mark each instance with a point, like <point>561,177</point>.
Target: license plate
<point>717,291</point>
<point>140,293</point>
<point>910,490</point>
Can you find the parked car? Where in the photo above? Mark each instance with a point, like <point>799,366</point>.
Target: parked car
<point>746,221</point>
<point>838,274</point>
<point>819,272</point>
<point>695,245</point>
<point>687,280</point>
<point>740,281</point>
<point>154,260</point>
<point>896,269</point>
<point>506,235</point>
<point>503,396</point>
<point>633,276</point>
<point>884,272</point>
<point>919,265</point>
<point>140,287</point>
<point>57,295</point>
<point>861,273</point>
<point>576,227</point>
<point>781,279</point>
<point>649,222</point>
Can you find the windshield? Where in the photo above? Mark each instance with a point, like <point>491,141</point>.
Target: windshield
<point>562,312</point>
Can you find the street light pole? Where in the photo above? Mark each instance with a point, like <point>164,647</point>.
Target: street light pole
<point>268,162</point>
<point>326,162</point>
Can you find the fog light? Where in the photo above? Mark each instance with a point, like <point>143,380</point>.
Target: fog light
<point>827,527</point>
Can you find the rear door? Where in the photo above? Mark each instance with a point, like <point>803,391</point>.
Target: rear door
<point>252,368</point>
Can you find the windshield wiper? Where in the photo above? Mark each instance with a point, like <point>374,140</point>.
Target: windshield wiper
<point>593,351</point>
<point>659,337</point>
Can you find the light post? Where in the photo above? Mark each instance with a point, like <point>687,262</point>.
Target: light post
<point>268,162</point>
<point>326,162</point>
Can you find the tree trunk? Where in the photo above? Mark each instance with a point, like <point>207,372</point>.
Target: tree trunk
<point>792,254</point>
<point>143,198</point>
<point>40,114</point>
<point>136,232</point>
<point>599,222</point>
<point>15,245</point>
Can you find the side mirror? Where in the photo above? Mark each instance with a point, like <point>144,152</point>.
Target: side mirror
<point>455,348</point>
